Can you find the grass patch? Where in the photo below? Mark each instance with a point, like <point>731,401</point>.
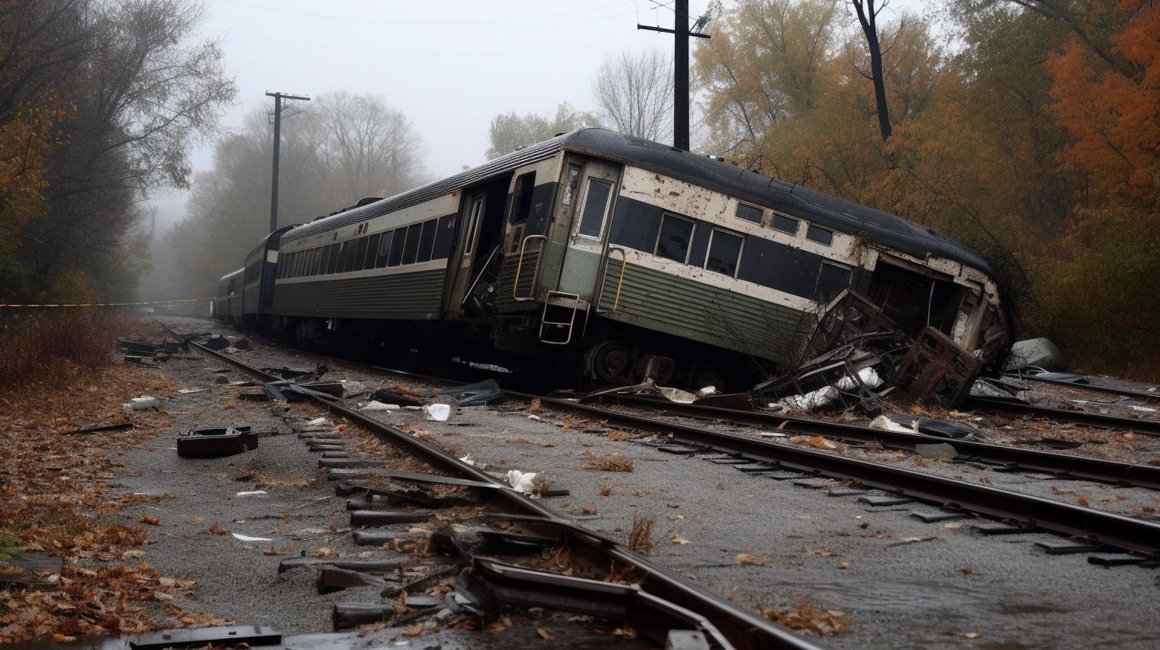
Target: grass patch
<point>9,549</point>
<point>48,345</point>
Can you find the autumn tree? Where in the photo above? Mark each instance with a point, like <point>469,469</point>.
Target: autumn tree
<point>510,131</point>
<point>338,149</point>
<point>635,94</point>
<point>137,93</point>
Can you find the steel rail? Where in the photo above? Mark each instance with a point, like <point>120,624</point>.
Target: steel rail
<point>1099,388</point>
<point>1114,530</point>
<point>1006,458</point>
<point>995,404</point>
<point>744,629</point>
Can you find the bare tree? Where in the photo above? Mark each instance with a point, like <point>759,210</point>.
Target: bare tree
<point>370,147</point>
<point>510,131</point>
<point>635,92</point>
<point>868,18</point>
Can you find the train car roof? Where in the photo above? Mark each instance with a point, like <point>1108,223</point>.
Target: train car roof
<point>269,241</point>
<point>795,200</point>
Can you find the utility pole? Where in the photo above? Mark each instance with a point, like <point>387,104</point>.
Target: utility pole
<point>681,36</point>
<point>278,97</point>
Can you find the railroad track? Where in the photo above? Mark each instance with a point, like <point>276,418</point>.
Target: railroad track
<point>660,601</point>
<point>1022,513</point>
<point>1002,457</point>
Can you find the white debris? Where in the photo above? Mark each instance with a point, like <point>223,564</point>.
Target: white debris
<point>247,538</point>
<point>816,399</point>
<point>352,388</point>
<point>143,402</point>
<point>250,493</point>
<point>534,417</point>
<point>468,459</point>
<point>677,395</point>
<point>318,422</point>
<point>1143,409</point>
<point>771,434</point>
<point>437,412</point>
<point>375,405</point>
<point>707,391</point>
<point>521,481</point>
<point>188,391</point>
<point>883,422</point>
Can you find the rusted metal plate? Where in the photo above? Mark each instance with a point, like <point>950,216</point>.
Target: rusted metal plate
<point>936,368</point>
<point>201,443</point>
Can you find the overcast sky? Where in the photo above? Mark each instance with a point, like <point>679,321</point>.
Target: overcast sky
<point>449,65</point>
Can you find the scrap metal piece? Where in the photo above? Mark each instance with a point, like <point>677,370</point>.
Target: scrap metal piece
<point>937,368</point>
<point>484,392</point>
<point>490,585</point>
<point>348,615</point>
<point>208,443</point>
<point>232,635</point>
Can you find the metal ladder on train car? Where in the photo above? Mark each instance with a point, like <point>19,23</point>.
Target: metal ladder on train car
<point>559,317</point>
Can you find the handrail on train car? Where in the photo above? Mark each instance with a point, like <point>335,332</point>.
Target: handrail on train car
<point>620,280</point>
<point>520,266</point>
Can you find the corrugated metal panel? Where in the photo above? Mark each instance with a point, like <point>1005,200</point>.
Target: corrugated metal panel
<point>507,275</point>
<point>690,309</point>
<point>403,296</point>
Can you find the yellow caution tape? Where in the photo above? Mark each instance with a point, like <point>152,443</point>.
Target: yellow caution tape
<point>111,304</point>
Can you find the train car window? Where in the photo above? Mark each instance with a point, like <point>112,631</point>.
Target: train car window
<point>348,256</point>
<point>674,237</point>
<point>426,240</point>
<point>311,258</point>
<point>785,224</point>
<point>411,248</point>
<point>384,250</point>
<point>522,197</point>
<point>360,254</point>
<point>444,237</point>
<point>724,251</point>
<point>396,257</point>
<point>832,279</point>
<point>335,251</point>
<point>748,212</point>
<point>324,261</point>
<point>372,251</point>
<point>595,207</point>
<point>820,234</point>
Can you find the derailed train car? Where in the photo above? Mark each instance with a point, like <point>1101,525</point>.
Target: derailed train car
<point>618,257</point>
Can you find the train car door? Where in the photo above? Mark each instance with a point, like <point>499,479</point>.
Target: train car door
<point>593,203</point>
<point>479,237</point>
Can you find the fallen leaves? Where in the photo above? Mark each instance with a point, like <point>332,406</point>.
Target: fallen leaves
<point>217,529</point>
<point>149,519</point>
<point>807,618</point>
<point>750,559</point>
<point>609,463</point>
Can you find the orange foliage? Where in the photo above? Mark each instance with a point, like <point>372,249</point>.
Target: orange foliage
<point>1114,114</point>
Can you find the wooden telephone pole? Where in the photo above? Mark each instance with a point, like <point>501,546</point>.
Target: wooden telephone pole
<point>278,97</point>
<point>681,36</point>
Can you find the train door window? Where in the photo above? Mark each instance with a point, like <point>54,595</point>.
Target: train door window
<point>724,251</point>
<point>674,237</point>
<point>785,224</point>
<point>360,254</point>
<point>832,279</point>
<point>384,249</point>
<point>820,234</point>
<point>522,197</point>
<point>372,251</point>
<point>475,215</point>
<point>748,212</point>
<point>411,248</point>
<point>426,240</point>
<point>397,247</point>
<point>596,202</point>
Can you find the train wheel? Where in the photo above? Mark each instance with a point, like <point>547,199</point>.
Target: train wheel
<point>611,363</point>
